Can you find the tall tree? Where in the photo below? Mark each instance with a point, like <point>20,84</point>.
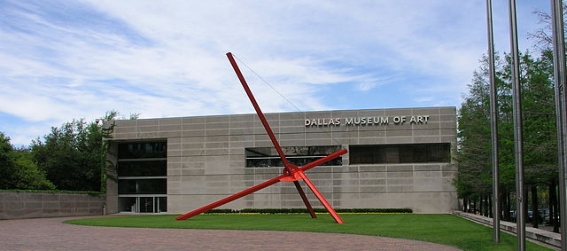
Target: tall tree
<point>540,141</point>
<point>544,40</point>
<point>73,155</point>
<point>17,170</point>
<point>7,163</point>
<point>474,142</point>
<point>474,154</point>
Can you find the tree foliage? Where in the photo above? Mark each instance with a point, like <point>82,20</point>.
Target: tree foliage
<point>17,169</point>
<point>69,156</point>
<point>540,137</point>
<point>72,156</point>
<point>474,155</point>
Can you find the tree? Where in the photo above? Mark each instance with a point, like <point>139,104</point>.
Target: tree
<point>543,36</point>
<point>474,145</point>
<point>73,155</point>
<point>545,45</point>
<point>474,178</point>
<point>538,112</point>
<point>6,162</point>
<point>27,174</point>
<point>17,170</point>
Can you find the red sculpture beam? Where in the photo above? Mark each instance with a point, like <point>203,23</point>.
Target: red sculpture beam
<point>291,172</point>
<point>258,111</point>
<point>282,177</point>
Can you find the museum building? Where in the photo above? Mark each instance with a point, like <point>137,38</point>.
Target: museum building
<point>397,158</point>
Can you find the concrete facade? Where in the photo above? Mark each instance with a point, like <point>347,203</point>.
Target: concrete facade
<point>206,158</point>
<point>21,205</point>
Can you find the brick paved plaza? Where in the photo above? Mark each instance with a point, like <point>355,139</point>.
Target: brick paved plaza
<point>52,234</point>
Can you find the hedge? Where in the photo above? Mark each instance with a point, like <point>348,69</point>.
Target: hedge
<point>303,210</point>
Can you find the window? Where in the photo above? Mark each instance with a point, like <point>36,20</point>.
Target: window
<point>297,155</point>
<point>409,153</point>
<point>142,186</point>
<point>142,168</point>
<point>142,150</point>
<point>142,177</point>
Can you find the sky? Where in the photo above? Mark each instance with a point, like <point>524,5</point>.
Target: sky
<point>63,60</point>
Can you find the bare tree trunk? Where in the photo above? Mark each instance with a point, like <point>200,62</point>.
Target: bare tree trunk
<point>535,211</point>
<point>481,204</point>
<point>526,204</point>
<point>507,208</point>
<point>489,199</point>
<point>474,205</point>
<point>554,206</point>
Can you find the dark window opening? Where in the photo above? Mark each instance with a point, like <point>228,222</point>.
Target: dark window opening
<point>297,155</point>
<point>142,150</point>
<point>142,168</point>
<point>408,153</point>
<point>142,186</point>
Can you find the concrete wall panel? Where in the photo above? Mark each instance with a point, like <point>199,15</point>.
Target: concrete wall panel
<point>206,159</point>
<point>21,205</point>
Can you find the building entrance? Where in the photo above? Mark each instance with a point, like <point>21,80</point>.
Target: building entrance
<point>143,204</point>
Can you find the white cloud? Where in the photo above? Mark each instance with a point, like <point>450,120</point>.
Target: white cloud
<point>61,60</point>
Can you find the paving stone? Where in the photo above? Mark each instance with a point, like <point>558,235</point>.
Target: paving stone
<point>52,234</point>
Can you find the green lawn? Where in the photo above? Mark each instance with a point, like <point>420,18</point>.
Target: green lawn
<point>445,229</point>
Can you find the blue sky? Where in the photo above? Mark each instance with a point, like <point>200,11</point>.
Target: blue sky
<point>64,60</point>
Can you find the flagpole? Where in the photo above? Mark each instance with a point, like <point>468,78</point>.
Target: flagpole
<point>518,141</point>
<point>493,127</point>
<point>560,110</point>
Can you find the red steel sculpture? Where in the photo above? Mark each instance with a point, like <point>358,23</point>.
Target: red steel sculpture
<point>291,172</point>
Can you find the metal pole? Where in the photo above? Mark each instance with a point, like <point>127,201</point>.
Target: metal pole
<point>258,111</point>
<point>518,141</point>
<point>493,127</point>
<point>560,110</point>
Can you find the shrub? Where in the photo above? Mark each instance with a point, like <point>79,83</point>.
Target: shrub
<point>304,210</point>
